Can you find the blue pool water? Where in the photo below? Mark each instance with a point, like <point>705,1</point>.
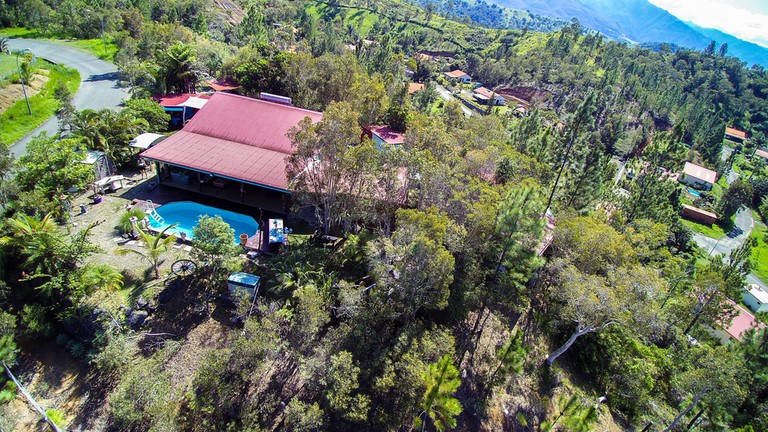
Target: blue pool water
<point>186,213</point>
<point>694,192</point>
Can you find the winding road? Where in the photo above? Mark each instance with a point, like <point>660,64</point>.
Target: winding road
<point>98,85</point>
<point>742,227</point>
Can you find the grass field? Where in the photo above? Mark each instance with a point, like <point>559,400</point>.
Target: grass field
<point>94,47</point>
<point>7,66</point>
<point>16,121</point>
<point>714,231</point>
<point>759,257</point>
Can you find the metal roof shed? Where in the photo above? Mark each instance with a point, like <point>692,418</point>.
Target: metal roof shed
<point>241,283</point>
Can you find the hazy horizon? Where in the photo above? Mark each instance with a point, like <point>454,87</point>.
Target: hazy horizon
<point>744,19</point>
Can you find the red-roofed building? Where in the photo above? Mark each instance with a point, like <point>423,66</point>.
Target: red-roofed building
<point>382,135</point>
<point>735,135</point>
<point>182,107</point>
<point>414,87</point>
<point>217,85</point>
<point>741,322</point>
<point>484,96</point>
<point>234,138</point>
<point>459,76</point>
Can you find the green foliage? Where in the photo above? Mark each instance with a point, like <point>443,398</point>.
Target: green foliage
<point>124,222</point>
<point>150,111</point>
<point>16,120</point>
<point>52,167</point>
<point>143,400</point>
<point>109,131</point>
<point>441,380</point>
<point>213,241</point>
<point>738,194</point>
<point>56,416</point>
<point>342,395</point>
<point>115,356</point>
<point>303,417</point>
<point>154,247</point>
<point>101,276</point>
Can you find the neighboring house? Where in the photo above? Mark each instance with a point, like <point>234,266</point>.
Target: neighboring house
<point>756,298</point>
<point>762,153</point>
<point>459,76</point>
<point>698,176</point>
<point>182,107</point>
<point>383,135</point>
<point>699,215</point>
<point>414,87</point>
<point>741,322</point>
<point>735,135</point>
<point>485,96</point>
<point>234,149</point>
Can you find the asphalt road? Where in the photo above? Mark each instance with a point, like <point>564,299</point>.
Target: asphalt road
<point>98,88</point>
<point>742,226</point>
<point>446,95</point>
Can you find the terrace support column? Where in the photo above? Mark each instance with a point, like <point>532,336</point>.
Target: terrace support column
<point>157,173</point>
<point>199,182</point>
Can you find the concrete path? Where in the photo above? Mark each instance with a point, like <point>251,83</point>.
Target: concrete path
<point>98,86</point>
<point>446,95</point>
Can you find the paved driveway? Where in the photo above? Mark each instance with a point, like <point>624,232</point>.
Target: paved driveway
<point>446,95</point>
<point>741,228</point>
<point>98,88</point>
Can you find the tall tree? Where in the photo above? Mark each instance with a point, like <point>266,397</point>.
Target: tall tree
<point>326,171</point>
<point>579,122</point>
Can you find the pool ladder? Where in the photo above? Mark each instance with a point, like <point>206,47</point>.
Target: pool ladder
<point>149,207</point>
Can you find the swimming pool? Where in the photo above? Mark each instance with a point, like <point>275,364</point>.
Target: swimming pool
<point>694,192</point>
<point>186,213</point>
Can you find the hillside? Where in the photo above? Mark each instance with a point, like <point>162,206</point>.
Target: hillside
<point>637,21</point>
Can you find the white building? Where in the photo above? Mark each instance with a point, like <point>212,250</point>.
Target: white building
<point>756,298</point>
<point>698,176</point>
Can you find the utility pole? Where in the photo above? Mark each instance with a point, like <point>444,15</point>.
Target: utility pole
<point>21,77</point>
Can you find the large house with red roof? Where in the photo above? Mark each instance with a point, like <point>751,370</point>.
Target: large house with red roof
<point>235,148</point>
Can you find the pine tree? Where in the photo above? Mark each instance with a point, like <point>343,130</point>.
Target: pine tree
<point>441,380</point>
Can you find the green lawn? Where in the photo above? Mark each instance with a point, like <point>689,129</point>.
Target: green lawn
<point>759,257</point>
<point>16,120</point>
<point>714,231</point>
<point>94,47</point>
<point>7,66</point>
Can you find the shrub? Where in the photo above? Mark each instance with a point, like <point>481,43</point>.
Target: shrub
<point>124,224</point>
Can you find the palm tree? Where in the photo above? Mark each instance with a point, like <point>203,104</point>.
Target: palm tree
<point>154,247</point>
<point>109,131</point>
<point>179,68</point>
<point>37,238</point>
<point>442,380</point>
<point>102,276</point>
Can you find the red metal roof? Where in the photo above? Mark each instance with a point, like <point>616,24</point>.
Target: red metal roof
<point>236,137</point>
<point>387,134</point>
<point>742,322</point>
<point>174,100</point>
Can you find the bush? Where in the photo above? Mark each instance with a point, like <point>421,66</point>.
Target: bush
<point>124,224</point>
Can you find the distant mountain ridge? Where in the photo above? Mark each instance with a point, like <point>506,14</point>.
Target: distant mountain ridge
<point>639,21</point>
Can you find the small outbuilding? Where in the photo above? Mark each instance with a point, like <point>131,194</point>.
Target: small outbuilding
<point>761,154</point>
<point>756,298</point>
<point>735,135</point>
<point>383,135</point>
<point>698,215</point>
<point>698,176</point>
<point>242,284</point>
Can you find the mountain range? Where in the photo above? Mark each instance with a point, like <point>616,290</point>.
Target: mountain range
<point>639,21</point>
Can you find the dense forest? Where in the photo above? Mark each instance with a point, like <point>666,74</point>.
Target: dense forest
<point>507,281</point>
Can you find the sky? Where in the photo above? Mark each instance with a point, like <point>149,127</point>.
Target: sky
<point>744,19</point>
